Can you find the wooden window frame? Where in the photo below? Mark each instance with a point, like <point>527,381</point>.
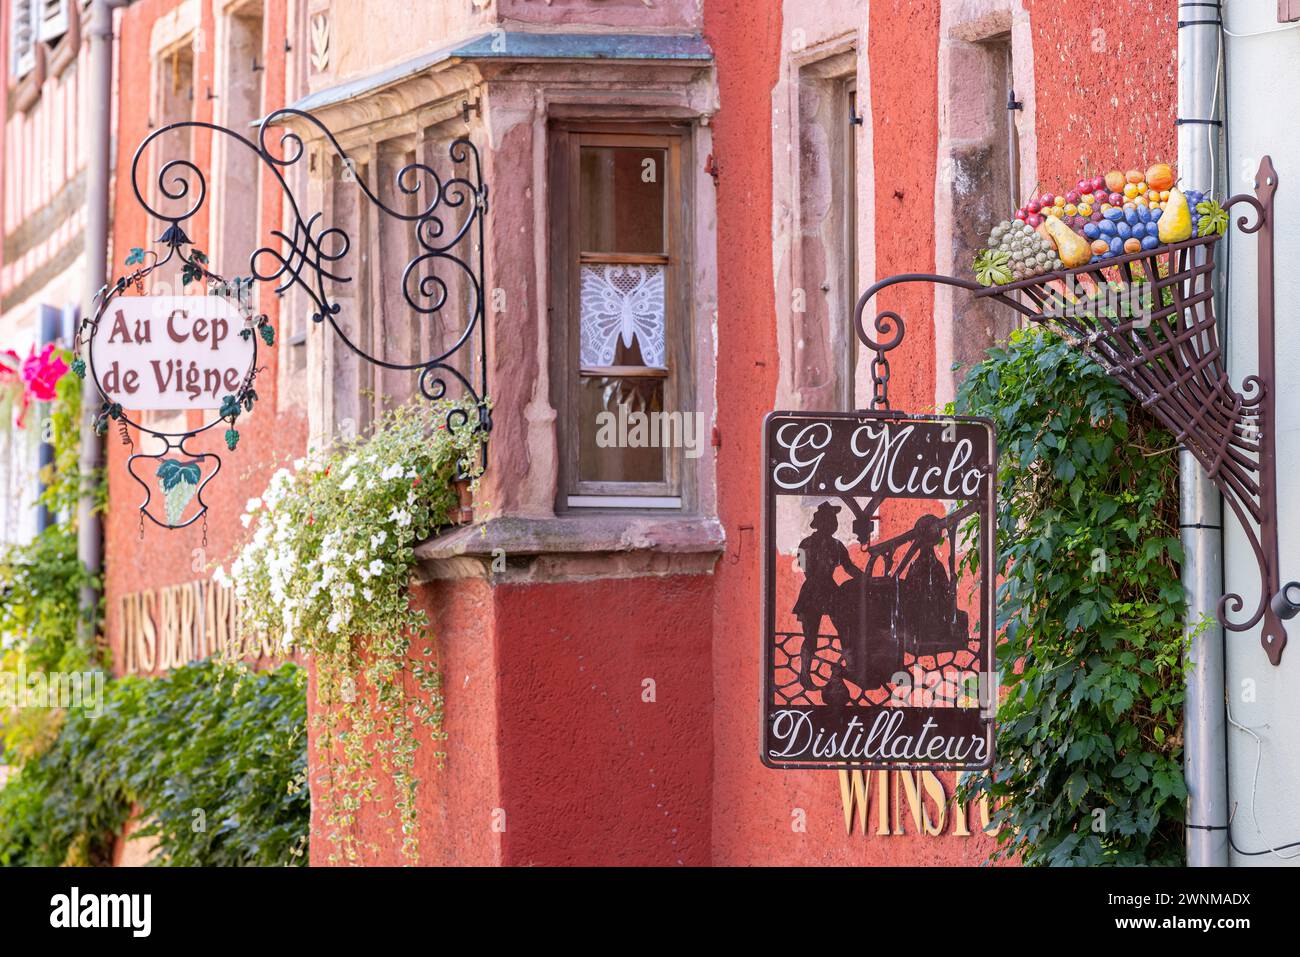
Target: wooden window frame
<point>22,60</point>
<point>566,142</point>
<point>53,19</point>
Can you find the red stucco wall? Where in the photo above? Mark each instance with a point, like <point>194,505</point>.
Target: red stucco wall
<point>1106,84</point>
<point>162,557</point>
<point>591,771</point>
<point>455,801</point>
<point>544,682</point>
<point>757,812</point>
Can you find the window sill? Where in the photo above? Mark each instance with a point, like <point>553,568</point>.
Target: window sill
<point>569,548</point>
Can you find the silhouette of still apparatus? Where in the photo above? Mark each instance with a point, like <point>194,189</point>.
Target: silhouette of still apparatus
<point>903,601</point>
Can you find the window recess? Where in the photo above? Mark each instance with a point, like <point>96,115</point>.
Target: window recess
<point>620,279</point>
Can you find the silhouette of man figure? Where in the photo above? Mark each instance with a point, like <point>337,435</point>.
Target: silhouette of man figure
<point>822,554</point>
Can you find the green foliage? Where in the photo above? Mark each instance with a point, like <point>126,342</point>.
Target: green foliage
<point>327,569</point>
<point>214,757</point>
<point>41,581</point>
<point>1089,741</point>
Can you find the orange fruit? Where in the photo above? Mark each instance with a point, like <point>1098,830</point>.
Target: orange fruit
<point>1114,181</point>
<point>1100,247</point>
<point>1131,190</point>
<point>1134,176</point>
<point>1132,245</point>
<point>1160,176</point>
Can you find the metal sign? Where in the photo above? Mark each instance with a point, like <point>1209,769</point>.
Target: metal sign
<point>876,650</point>
<point>172,353</point>
<point>182,353</point>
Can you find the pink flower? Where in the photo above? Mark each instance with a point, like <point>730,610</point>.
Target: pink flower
<point>9,366</point>
<point>42,372</point>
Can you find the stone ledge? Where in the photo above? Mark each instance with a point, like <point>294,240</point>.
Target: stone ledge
<point>572,548</point>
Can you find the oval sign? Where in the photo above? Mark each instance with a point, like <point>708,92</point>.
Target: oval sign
<point>171,353</point>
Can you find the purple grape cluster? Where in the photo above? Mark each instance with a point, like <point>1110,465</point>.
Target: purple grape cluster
<point>1194,198</point>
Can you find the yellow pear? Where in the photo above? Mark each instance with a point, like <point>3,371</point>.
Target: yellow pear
<point>1175,222</point>
<point>1070,246</point>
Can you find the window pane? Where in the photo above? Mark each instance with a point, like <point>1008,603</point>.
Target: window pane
<point>618,420</point>
<point>622,197</point>
<point>622,315</point>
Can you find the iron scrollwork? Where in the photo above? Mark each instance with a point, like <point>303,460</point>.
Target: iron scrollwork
<point>447,227</point>
<point>1172,361</point>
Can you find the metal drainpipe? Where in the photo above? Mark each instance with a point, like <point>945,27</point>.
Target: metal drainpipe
<point>1200,507</point>
<point>98,132</point>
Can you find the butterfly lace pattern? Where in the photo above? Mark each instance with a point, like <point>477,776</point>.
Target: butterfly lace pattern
<point>622,303</point>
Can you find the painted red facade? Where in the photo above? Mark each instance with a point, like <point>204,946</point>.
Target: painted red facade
<point>545,688</point>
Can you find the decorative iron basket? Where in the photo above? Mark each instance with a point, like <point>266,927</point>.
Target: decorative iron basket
<point>1148,319</point>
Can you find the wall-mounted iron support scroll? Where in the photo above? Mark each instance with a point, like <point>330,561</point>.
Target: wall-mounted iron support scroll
<point>447,227</point>
<point>1169,357</point>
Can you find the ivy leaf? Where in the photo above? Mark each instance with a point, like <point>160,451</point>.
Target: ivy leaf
<point>136,257</point>
<point>229,408</point>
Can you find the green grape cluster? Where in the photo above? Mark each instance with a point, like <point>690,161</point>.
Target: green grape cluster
<point>1030,252</point>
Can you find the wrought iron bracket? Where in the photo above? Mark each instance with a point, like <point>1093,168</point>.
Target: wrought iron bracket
<point>447,226</point>
<point>1169,357</point>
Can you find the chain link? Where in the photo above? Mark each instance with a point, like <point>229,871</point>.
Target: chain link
<point>880,381</point>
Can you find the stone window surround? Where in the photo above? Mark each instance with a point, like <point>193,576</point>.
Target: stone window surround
<point>809,255</point>
<point>519,97</point>
<point>963,29</point>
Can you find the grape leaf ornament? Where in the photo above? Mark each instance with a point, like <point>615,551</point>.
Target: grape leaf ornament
<point>179,481</point>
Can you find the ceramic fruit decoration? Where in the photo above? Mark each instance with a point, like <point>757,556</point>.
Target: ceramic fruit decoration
<point>1016,250</point>
<point>1072,249</point>
<point>1123,212</point>
<point>1176,221</point>
<point>1160,176</point>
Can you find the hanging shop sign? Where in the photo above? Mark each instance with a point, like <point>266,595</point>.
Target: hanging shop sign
<point>172,353</point>
<point>148,353</point>
<point>877,648</point>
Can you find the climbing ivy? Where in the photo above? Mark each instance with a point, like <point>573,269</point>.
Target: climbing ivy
<point>1089,740</point>
<point>212,757</point>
